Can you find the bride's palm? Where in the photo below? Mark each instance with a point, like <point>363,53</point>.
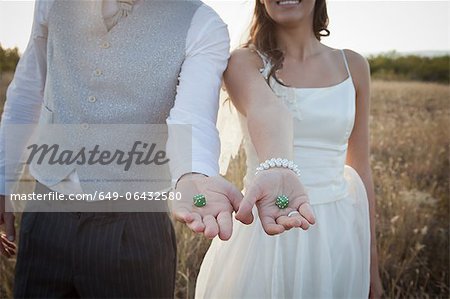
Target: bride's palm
<point>266,187</point>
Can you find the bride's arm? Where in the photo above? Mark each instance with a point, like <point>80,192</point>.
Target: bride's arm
<point>269,122</point>
<point>358,154</point>
<point>270,125</point>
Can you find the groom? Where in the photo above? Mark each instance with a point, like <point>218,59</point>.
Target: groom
<point>117,62</point>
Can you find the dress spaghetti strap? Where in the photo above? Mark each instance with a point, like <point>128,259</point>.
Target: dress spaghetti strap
<point>266,62</point>
<point>346,63</point>
<point>263,57</point>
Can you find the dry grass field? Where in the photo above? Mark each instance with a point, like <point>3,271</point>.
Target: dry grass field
<point>410,162</point>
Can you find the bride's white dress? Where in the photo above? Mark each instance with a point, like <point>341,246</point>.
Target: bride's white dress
<point>330,259</point>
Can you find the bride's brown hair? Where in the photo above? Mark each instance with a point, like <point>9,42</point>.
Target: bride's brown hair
<point>262,32</point>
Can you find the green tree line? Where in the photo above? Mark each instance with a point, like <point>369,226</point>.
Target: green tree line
<point>393,66</point>
<point>8,59</point>
<point>390,66</point>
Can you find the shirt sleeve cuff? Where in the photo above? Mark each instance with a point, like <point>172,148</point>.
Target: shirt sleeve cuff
<point>197,167</point>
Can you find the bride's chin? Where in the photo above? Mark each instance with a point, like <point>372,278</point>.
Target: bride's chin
<point>288,21</point>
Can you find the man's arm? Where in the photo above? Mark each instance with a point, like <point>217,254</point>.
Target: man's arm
<point>197,100</point>
<point>23,103</point>
<point>196,104</point>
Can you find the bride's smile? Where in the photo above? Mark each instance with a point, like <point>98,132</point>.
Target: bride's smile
<point>289,12</point>
<point>289,2</point>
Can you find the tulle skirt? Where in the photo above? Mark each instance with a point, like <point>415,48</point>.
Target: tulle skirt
<point>329,260</point>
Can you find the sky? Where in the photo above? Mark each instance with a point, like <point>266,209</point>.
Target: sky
<point>365,26</point>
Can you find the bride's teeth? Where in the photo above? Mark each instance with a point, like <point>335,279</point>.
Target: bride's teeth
<point>288,2</point>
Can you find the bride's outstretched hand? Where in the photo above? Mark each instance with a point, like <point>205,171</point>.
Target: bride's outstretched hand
<point>268,186</point>
<point>207,204</point>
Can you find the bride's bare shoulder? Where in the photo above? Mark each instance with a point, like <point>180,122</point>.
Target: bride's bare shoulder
<point>359,67</point>
<point>355,58</point>
<point>356,61</point>
<point>245,58</point>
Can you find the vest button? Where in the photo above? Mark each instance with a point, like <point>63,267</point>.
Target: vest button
<point>98,72</point>
<point>92,99</point>
<point>105,45</point>
<point>84,126</point>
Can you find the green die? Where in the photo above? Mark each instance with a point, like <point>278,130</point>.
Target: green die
<point>199,200</point>
<point>282,201</point>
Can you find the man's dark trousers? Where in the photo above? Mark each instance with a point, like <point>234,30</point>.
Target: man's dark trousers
<point>95,255</point>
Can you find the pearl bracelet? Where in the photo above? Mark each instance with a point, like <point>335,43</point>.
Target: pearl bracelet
<point>278,162</point>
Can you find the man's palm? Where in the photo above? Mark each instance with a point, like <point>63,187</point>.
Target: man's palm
<point>215,217</point>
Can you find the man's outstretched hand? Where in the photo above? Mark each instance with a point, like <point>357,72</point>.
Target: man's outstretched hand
<point>266,187</point>
<point>7,246</point>
<point>215,218</point>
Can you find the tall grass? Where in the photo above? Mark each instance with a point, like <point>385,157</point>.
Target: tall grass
<point>410,163</point>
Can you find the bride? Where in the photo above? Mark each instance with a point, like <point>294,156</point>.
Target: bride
<point>302,101</point>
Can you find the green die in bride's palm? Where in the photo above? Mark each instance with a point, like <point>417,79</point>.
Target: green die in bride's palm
<point>282,201</point>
